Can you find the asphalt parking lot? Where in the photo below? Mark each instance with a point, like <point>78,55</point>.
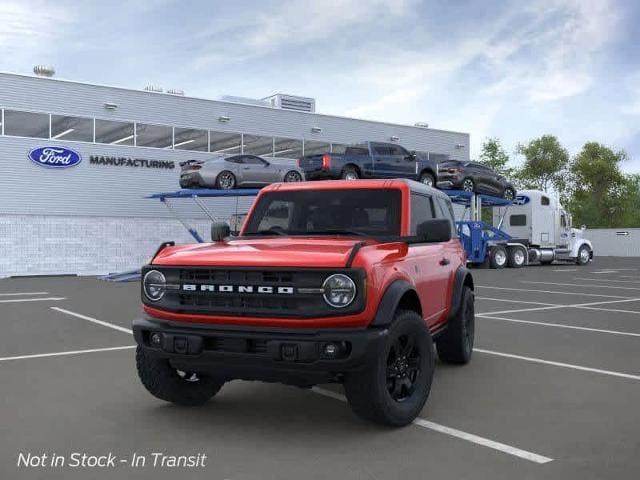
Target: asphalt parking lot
<point>553,391</point>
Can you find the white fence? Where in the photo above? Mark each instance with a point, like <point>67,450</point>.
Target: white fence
<point>615,242</point>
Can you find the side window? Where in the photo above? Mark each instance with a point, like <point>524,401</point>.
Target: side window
<point>518,220</point>
<point>544,200</point>
<point>251,160</point>
<point>446,211</point>
<point>563,220</point>
<point>238,159</point>
<point>276,216</point>
<point>381,150</point>
<point>421,210</point>
<point>397,150</point>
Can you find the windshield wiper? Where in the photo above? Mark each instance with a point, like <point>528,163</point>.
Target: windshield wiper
<point>271,231</point>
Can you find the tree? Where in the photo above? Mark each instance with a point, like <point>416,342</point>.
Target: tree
<point>545,164</point>
<point>494,156</point>
<point>601,194</point>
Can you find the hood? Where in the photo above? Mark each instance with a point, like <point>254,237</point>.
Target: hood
<point>331,252</point>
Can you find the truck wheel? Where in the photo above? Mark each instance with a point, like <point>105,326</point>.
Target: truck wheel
<point>168,384</point>
<point>394,386</point>
<point>428,179</point>
<point>517,257</point>
<point>498,257</point>
<point>584,255</point>
<point>455,345</point>
<point>349,173</point>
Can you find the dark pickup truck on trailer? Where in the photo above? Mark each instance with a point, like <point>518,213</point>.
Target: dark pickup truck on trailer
<point>340,281</point>
<point>371,160</point>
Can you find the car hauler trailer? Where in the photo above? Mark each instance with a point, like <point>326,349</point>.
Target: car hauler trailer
<point>533,228</point>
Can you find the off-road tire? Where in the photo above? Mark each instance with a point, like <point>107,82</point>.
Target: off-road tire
<point>349,173</point>
<point>496,255</point>
<point>455,345</point>
<point>368,389</point>
<point>581,259</point>
<point>164,382</point>
<point>428,179</point>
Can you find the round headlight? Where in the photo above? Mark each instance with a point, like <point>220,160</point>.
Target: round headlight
<point>339,290</point>
<point>154,285</point>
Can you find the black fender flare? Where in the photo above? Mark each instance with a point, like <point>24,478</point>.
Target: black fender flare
<point>428,169</point>
<point>462,277</point>
<point>390,301</point>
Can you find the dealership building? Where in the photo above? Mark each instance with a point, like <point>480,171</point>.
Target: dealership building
<point>120,145</point>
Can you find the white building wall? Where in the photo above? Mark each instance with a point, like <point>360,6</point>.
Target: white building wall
<point>94,219</point>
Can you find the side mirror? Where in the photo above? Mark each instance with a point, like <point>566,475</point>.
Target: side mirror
<point>219,231</point>
<point>434,231</point>
<point>412,156</point>
<point>583,227</point>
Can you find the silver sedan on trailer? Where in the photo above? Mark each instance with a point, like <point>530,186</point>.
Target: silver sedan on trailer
<point>227,172</point>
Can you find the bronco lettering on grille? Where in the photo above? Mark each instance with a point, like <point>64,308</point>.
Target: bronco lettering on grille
<point>263,289</point>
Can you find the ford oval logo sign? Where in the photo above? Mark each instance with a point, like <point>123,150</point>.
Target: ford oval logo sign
<point>521,200</point>
<point>55,157</point>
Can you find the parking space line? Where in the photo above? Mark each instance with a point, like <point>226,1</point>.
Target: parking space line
<point>22,300</point>
<point>617,310</point>
<point>581,285</point>
<point>559,364</point>
<point>605,280</point>
<point>550,291</point>
<point>22,294</point>
<point>515,301</point>
<point>61,354</point>
<point>93,320</point>
<point>555,307</point>
<point>560,325</point>
<point>469,437</point>
<point>564,270</point>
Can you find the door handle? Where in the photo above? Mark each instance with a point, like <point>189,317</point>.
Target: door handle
<point>444,262</point>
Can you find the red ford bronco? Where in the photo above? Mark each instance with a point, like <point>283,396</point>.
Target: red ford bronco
<point>348,282</point>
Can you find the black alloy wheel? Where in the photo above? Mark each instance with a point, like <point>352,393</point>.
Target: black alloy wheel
<point>403,368</point>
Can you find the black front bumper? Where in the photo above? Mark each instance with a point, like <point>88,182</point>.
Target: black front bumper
<point>292,356</point>
<point>321,174</point>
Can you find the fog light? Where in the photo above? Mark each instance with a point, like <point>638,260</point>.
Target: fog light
<point>331,350</point>
<point>156,339</point>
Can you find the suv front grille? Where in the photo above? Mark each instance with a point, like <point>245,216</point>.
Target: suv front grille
<point>308,303</point>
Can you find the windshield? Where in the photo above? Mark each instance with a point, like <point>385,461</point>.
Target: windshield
<point>374,213</point>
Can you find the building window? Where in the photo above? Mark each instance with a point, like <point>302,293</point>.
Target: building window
<point>338,148</point>
<point>191,139</point>
<point>114,133</point>
<point>287,148</point>
<point>312,147</point>
<point>26,124</point>
<point>157,136</point>
<point>225,143</point>
<point>71,128</point>
<point>256,145</point>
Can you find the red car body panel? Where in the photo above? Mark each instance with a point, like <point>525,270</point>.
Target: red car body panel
<point>421,265</point>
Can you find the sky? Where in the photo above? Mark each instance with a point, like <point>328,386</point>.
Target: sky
<point>508,69</point>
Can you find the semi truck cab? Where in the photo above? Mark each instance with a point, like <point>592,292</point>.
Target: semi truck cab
<point>538,221</point>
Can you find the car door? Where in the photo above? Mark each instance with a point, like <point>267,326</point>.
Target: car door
<point>480,177</point>
<point>255,170</point>
<point>403,164</point>
<point>429,269</point>
<point>382,160</point>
